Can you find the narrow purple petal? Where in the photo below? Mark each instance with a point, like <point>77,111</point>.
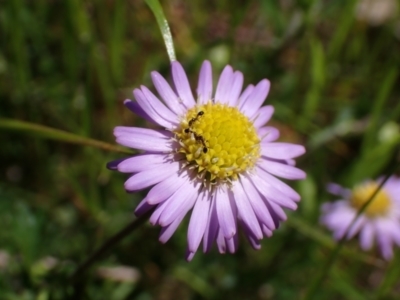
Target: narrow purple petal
<point>254,241</point>
<point>226,218</point>
<point>125,130</point>
<point>393,231</point>
<point>290,162</point>
<point>270,193</point>
<point>158,107</point>
<point>233,205</point>
<point>384,242</point>
<point>246,93</point>
<point>163,190</point>
<point>245,210</point>
<point>281,170</point>
<point>155,216</point>
<point>331,207</point>
<point>237,85</point>
<point>282,150</point>
<point>337,216</point>
<point>198,221</point>
<point>274,216</point>
<point>142,162</point>
<point>166,93</point>
<point>144,139</point>
<point>113,165</point>
<point>145,143</point>
<point>256,98</point>
<point>279,185</point>
<point>261,211</point>
<point>392,187</point>
<point>263,115</point>
<point>338,190</point>
<point>168,231</point>
<point>136,109</point>
<point>182,85</point>
<point>224,85</point>
<point>356,227</point>
<point>142,208</point>
<point>204,88</point>
<point>149,110</point>
<point>150,177</point>
<point>389,228</point>
<point>278,210</point>
<point>189,255</point>
<point>266,231</point>
<point>283,202</point>
<point>268,134</point>
<point>221,242</point>
<point>212,227</point>
<point>179,204</point>
<point>232,243</point>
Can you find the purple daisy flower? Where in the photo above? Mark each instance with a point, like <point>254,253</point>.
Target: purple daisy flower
<point>380,221</point>
<point>214,155</point>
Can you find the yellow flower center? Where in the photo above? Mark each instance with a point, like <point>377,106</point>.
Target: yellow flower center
<point>362,193</point>
<point>219,141</point>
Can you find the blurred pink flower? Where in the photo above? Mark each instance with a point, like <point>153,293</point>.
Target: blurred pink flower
<point>380,221</point>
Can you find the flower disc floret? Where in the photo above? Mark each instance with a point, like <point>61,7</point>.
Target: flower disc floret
<point>379,205</point>
<point>219,140</point>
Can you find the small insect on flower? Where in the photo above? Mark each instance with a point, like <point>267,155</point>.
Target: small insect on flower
<point>215,156</point>
<point>380,220</point>
<point>198,138</point>
<point>199,114</point>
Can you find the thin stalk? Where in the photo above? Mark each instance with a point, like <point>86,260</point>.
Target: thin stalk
<point>57,134</point>
<point>107,245</point>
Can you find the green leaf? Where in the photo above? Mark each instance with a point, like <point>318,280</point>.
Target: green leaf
<point>372,162</point>
<point>387,85</point>
<point>164,27</point>
<point>391,278</point>
<point>56,134</point>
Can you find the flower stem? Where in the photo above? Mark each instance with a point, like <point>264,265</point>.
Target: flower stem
<point>107,245</point>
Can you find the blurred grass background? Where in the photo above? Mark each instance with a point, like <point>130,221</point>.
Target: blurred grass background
<point>334,69</point>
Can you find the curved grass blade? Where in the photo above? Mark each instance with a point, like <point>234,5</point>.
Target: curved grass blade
<point>57,134</point>
<point>164,27</point>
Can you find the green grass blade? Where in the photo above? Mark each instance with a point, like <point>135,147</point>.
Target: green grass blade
<point>318,71</point>
<point>378,105</point>
<point>164,27</point>
<point>338,41</point>
<point>56,134</point>
<point>342,282</point>
<point>390,280</point>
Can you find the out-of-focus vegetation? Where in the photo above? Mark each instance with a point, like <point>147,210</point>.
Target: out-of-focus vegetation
<point>334,68</point>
